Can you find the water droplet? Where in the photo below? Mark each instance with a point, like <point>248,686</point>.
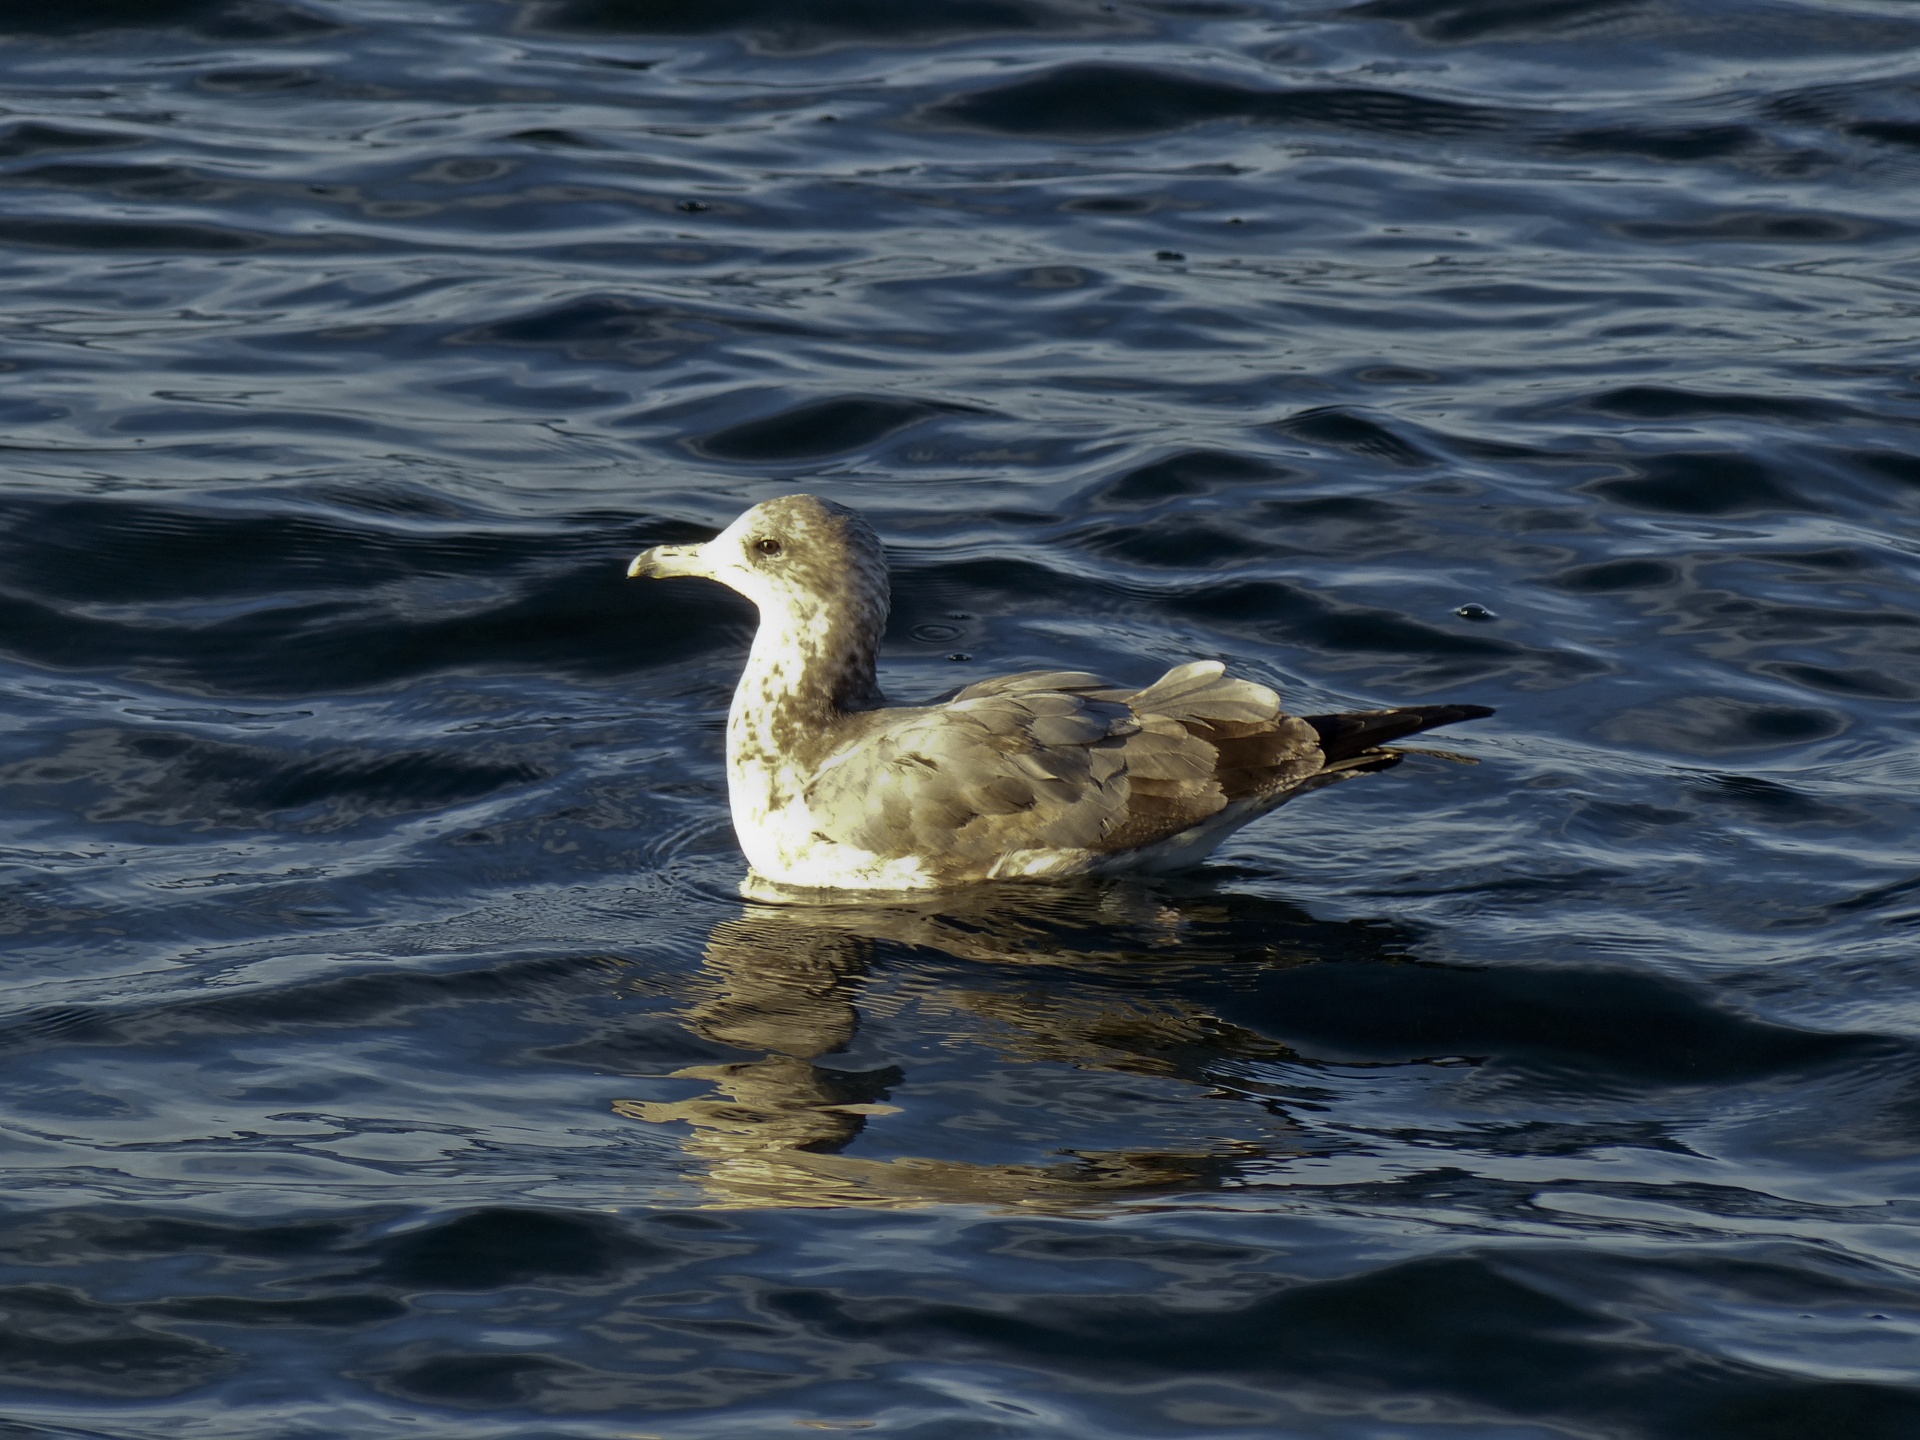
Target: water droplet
<point>693,207</point>
<point>1471,611</point>
<point>959,655</point>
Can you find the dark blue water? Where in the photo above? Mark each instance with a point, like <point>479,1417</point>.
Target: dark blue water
<point>386,1050</point>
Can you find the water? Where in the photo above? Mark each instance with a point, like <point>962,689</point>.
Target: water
<point>387,1050</point>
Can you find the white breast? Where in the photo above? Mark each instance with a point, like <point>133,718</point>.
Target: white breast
<point>778,834</point>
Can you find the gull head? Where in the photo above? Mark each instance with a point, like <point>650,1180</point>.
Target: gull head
<point>794,555</point>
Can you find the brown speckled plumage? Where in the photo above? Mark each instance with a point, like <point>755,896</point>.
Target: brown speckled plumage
<point>1048,772</point>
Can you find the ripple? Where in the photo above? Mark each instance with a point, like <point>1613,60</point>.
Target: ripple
<point>258,81</point>
<point>1283,612</point>
<point>1356,433</point>
<point>1704,142</point>
<point>491,1249</point>
<point>1460,22</point>
<point>1703,484</point>
<point>36,138</point>
<point>1606,576</point>
<point>1757,227</point>
<point>1888,132</point>
<point>341,605</point>
<point>149,181</point>
<point>1660,402</point>
<point>598,327</point>
<point>1718,725</point>
<point>1862,682</point>
<point>134,235</point>
<point>56,1339</point>
<point>166,778</point>
<point>1192,472</point>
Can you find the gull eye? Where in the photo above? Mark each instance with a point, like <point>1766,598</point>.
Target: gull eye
<point>769,546</point>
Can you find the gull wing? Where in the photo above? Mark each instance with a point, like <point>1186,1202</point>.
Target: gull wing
<point>1058,760</point>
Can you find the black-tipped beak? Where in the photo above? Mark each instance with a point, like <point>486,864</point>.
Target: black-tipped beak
<point>664,561</point>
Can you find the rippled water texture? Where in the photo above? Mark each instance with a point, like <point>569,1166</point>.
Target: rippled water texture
<point>386,1048</point>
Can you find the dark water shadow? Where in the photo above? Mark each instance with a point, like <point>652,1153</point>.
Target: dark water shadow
<point>227,20</point>
<point>356,592</point>
<point>820,428</point>
<point>1463,22</point>
<point>790,26</point>
<point>1101,100</point>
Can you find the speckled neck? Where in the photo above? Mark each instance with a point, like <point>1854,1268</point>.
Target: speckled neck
<point>813,661</point>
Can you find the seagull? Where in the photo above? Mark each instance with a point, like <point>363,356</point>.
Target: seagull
<point>1043,773</point>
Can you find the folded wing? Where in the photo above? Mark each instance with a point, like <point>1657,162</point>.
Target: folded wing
<point>1060,760</point>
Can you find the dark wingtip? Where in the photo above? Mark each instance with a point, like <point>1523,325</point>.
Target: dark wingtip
<point>1344,736</point>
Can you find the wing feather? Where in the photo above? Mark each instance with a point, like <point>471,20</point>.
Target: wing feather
<point>1061,760</point>
<point>1058,759</point>
<point>1069,682</point>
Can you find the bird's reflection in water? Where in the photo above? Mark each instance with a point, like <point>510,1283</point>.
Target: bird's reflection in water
<point>782,983</point>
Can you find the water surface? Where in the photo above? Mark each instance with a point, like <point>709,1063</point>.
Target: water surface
<point>387,1049</point>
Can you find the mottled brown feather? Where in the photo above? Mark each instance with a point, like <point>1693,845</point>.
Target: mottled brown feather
<point>1062,759</point>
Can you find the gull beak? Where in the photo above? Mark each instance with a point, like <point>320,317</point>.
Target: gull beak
<point>664,561</point>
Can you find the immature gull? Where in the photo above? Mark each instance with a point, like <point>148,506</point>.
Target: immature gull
<point>1049,772</point>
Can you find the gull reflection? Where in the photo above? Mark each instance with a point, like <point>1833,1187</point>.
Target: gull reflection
<point>783,982</point>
